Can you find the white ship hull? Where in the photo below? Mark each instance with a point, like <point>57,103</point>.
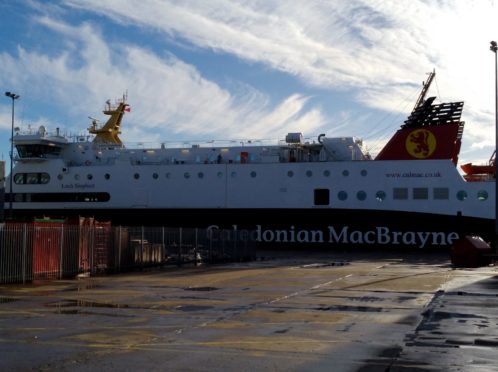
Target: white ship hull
<point>324,192</point>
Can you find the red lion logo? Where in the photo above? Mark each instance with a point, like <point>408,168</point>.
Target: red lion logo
<point>421,143</point>
<point>420,140</point>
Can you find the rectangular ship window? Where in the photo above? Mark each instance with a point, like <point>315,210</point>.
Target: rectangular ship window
<point>420,193</point>
<point>322,196</point>
<point>400,193</point>
<point>441,193</point>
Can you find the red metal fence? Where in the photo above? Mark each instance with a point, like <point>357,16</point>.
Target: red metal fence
<point>52,249</point>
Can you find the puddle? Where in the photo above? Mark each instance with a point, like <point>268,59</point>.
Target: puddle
<point>326,264</point>
<point>83,286</point>
<point>350,308</point>
<point>82,303</point>
<point>193,307</point>
<point>201,289</point>
<point>6,300</point>
<point>282,331</point>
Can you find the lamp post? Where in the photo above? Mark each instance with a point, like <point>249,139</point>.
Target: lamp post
<point>494,49</point>
<point>13,96</point>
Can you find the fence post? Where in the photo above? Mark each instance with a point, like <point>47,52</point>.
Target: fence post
<point>180,249</point>
<point>142,249</point>
<point>24,247</point>
<point>211,247</point>
<point>61,244</point>
<point>90,248</point>
<point>163,247</point>
<point>195,248</point>
<point>118,266</point>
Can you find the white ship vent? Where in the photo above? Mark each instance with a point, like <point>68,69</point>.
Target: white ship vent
<point>294,138</point>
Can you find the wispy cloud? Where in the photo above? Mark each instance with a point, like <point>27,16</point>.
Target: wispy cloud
<point>171,96</point>
<point>375,51</point>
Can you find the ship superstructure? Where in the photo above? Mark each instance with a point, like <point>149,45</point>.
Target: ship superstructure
<point>329,184</point>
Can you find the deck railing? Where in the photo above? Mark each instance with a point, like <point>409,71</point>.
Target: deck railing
<point>44,250</point>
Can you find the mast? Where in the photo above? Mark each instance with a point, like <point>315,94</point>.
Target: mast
<point>109,132</point>
<point>425,87</point>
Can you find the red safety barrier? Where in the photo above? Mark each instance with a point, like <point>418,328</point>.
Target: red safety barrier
<point>471,251</point>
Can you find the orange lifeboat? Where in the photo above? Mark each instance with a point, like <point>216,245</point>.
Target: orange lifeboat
<point>480,172</point>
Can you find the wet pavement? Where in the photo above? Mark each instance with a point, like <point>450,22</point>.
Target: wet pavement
<point>313,312</point>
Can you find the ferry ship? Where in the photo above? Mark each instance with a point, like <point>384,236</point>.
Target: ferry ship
<point>325,191</point>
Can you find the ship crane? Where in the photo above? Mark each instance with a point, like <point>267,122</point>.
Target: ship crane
<point>109,132</point>
<point>425,87</point>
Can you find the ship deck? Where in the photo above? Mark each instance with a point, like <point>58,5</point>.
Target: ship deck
<point>308,311</point>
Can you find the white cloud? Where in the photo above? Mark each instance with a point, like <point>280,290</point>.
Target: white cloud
<point>168,96</point>
<point>378,49</point>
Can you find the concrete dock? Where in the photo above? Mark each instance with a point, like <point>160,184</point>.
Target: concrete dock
<point>311,312</point>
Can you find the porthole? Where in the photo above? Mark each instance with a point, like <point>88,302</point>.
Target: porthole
<point>380,196</point>
<point>342,195</point>
<point>155,176</point>
<point>89,177</point>
<point>107,176</point>
<point>290,174</point>
<point>136,176</point>
<point>361,195</point>
<point>200,175</point>
<point>76,177</point>
<point>233,174</point>
<point>482,195</point>
<point>461,195</point>
<point>253,174</point>
<point>345,173</point>
<point>168,175</point>
<point>186,175</point>
<point>326,173</point>
<point>60,177</point>
<point>309,173</point>
<point>219,174</point>
<point>363,172</point>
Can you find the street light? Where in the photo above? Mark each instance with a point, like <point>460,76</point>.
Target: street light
<point>494,49</point>
<point>13,96</point>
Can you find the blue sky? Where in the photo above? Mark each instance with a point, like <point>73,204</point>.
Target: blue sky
<point>220,69</point>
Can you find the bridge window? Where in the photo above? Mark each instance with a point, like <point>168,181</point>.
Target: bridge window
<point>37,151</point>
